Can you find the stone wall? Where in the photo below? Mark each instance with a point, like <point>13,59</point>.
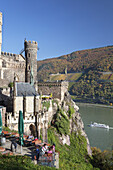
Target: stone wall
<point>31,60</point>
<point>56,88</point>
<point>12,122</point>
<point>11,64</point>
<point>42,121</point>
<point>64,89</point>
<point>8,76</point>
<point>6,98</point>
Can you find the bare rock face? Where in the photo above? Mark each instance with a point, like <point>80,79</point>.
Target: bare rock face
<point>65,139</point>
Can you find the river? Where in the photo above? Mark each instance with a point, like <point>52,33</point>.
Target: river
<point>98,137</point>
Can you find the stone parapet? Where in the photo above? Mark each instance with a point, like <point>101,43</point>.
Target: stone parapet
<point>14,119</point>
<point>9,54</point>
<point>30,45</point>
<point>49,83</point>
<point>42,120</point>
<point>57,89</point>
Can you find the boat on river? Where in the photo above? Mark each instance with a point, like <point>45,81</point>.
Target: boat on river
<point>99,125</point>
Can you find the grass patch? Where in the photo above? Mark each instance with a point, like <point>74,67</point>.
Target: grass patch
<point>46,104</point>
<point>74,76</point>
<point>106,77</point>
<point>18,163</point>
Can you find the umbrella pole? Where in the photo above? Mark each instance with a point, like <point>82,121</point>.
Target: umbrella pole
<point>21,144</point>
<point>21,148</point>
<point>21,128</point>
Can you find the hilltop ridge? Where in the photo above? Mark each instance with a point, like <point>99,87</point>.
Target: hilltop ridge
<point>100,59</point>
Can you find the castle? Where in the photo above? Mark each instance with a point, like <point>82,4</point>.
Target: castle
<point>24,94</point>
<point>16,64</point>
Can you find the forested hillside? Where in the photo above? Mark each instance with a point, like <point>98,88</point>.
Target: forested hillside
<point>100,59</point>
<point>90,73</point>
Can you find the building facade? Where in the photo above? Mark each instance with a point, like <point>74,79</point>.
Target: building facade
<point>24,68</point>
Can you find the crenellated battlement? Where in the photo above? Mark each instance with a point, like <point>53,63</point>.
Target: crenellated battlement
<point>42,120</point>
<point>11,60</point>
<point>49,84</point>
<point>30,118</point>
<point>55,83</point>
<point>31,42</point>
<point>9,54</point>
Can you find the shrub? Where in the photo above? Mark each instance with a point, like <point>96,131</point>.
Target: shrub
<point>18,163</point>
<point>46,104</point>
<point>71,111</point>
<point>61,123</point>
<point>102,160</point>
<point>10,84</point>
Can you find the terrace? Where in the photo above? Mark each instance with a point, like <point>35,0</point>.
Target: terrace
<point>29,149</point>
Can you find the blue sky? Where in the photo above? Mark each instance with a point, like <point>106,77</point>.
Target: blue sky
<point>59,26</point>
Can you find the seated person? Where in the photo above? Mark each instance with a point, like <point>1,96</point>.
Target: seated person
<point>44,149</point>
<point>50,150</point>
<point>53,147</point>
<point>37,153</point>
<point>13,145</point>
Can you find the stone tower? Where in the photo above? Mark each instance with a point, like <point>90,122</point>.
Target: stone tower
<point>31,61</point>
<point>0,32</point>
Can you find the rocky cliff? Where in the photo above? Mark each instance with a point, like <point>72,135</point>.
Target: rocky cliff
<point>65,117</point>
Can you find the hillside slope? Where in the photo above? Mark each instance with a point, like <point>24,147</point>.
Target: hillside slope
<point>100,59</point>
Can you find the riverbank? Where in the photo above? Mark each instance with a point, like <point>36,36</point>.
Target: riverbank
<point>97,105</point>
<point>88,100</point>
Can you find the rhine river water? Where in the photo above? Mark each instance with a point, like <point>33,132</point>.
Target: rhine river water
<point>98,137</point>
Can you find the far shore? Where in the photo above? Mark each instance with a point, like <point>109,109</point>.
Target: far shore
<point>91,104</point>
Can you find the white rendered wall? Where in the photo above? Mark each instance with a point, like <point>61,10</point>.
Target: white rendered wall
<point>19,104</point>
<point>29,104</point>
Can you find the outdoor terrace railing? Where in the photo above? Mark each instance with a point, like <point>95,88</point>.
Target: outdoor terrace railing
<point>51,160</point>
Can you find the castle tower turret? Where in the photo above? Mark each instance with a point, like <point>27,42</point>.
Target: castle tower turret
<point>0,32</point>
<point>31,61</point>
